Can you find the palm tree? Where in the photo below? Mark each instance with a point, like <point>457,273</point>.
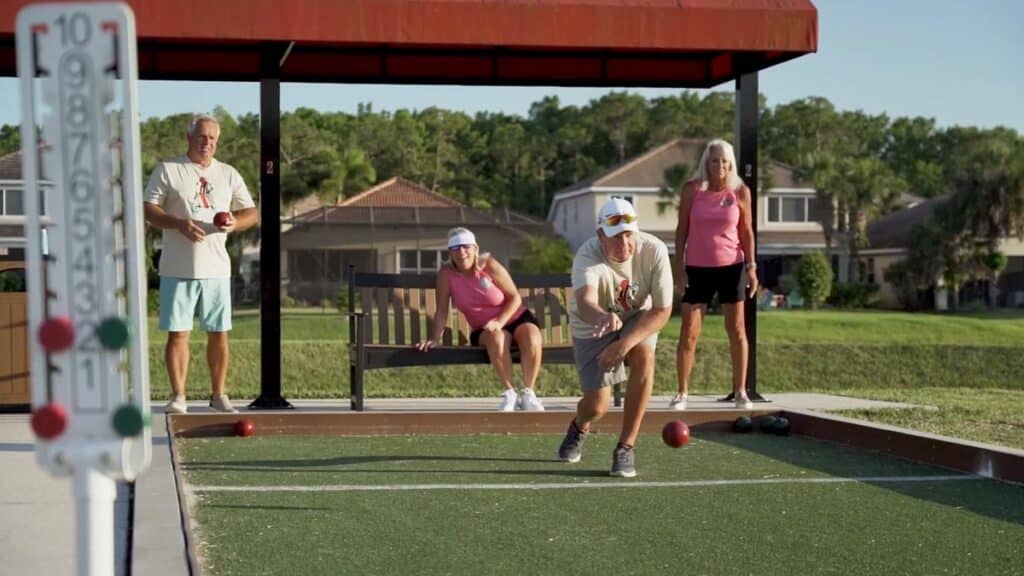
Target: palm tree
<point>350,171</point>
<point>675,176</point>
<point>824,172</point>
<point>988,200</point>
<point>870,188</point>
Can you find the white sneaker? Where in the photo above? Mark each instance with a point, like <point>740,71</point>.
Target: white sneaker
<point>508,401</point>
<point>529,402</point>
<point>221,403</point>
<point>744,404</point>
<point>177,405</point>
<point>677,403</point>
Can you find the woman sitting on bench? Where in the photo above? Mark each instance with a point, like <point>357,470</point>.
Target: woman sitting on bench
<point>484,292</point>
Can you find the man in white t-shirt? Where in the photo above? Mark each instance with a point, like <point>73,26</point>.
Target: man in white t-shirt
<point>185,198</point>
<point>622,281</point>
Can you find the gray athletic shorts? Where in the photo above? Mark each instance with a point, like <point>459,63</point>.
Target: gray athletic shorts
<point>586,350</point>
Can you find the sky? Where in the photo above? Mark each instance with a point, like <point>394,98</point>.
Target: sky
<point>951,60</point>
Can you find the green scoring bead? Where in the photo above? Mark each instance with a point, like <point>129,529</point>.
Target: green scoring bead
<point>129,421</point>
<point>113,333</point>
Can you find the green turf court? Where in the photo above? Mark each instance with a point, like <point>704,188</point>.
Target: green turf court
<point>501,504</point>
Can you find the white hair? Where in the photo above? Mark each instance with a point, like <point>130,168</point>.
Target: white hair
<point>732,179</point>
<point>198,119</point>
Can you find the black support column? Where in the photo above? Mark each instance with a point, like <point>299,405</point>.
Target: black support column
<point>270,228</point>
<point>747,116</point>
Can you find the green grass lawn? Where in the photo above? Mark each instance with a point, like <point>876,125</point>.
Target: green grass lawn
<point>1003,328</point>
<point>968,365</point>
<point>874,327</point>
<point>729,504</point>
<point>995,416</point>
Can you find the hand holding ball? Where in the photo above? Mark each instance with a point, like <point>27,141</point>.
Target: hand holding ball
<point>223,219</point>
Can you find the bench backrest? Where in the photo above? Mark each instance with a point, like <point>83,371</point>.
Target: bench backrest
<point>399,308</point>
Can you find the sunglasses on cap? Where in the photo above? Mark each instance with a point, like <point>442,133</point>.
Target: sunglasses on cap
<point>616,219</point>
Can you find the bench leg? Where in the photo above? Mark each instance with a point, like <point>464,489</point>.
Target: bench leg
<point>356,387</point>
<point>617,390</point>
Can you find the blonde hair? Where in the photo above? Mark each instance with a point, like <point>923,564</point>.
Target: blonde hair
<point>732,179</point>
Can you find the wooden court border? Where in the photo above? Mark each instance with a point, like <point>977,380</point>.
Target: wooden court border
<point>997,462</point>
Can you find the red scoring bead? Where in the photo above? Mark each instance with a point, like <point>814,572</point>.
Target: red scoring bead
<point>49,421</point>
<point>57,334</point>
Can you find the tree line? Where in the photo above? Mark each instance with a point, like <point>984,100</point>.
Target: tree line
<point>859,163</point>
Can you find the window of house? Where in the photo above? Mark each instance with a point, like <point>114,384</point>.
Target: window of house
<point>333,265</point>
<point>867,270</point>
<point>792,209</point>
<point>815,210</point>
<point>11,203</point>
<point>429,260</point>
<point>305,265</point>
<point>418,261</point>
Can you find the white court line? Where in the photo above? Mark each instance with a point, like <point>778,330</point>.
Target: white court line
<point>576,485</point>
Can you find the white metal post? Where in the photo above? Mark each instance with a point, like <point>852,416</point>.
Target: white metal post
<point>94,521</point>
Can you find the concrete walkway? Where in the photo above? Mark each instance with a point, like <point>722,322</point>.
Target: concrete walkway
<point>37,510</point>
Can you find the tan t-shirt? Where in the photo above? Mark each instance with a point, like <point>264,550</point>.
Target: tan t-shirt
<point>177,186</point>
<point>626,288</point>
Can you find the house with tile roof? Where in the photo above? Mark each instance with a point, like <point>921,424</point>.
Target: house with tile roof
<point>890,236</point>
<point>787,214</point>
<point>396,226</point>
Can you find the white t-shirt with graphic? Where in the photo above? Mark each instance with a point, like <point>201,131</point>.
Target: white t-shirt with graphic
<point>188,190</point>
<point>626,288</point>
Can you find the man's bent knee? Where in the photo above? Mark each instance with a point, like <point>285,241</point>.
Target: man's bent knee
<point>640,357</point>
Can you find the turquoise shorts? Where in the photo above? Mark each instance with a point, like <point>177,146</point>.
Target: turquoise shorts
<point>182,298</point>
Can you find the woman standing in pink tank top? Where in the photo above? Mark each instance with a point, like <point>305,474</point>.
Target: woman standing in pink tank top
<point>484,292</point>
<point>714,254</point>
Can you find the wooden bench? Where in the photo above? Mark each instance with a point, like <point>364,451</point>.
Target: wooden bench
<point>390,313</point>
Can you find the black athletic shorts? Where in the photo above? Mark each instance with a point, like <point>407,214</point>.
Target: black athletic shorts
<point>730,282</point>
<point>526,316</point>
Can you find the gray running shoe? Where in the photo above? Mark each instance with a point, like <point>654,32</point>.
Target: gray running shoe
<point>623,462</point>
<point>571,449</point>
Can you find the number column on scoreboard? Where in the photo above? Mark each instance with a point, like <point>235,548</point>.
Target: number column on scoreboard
<point>89,372</point>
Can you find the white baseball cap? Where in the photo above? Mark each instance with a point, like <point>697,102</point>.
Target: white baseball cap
<point>617,216</point>
<point>460,238</point>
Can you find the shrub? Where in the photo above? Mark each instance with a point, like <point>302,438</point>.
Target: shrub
<point>341,299</point>
<point>908,293</point>
<point>787,283</point>
<point>853,295</point>
<point>12,281</point>
<point>547,255</point>
<point>814,277</point>
<point>995,261</point>
<point>153,302</point>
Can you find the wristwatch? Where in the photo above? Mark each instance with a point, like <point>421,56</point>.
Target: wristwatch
<point>750,266</point>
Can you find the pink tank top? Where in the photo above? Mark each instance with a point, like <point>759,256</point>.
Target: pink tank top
<point>478,298</point>
<point>713,238</point>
